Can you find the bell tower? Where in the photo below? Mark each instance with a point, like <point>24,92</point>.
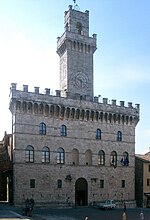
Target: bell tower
<point>75,49</point>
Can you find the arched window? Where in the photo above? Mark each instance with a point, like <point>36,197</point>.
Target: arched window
<point>101,158</point>
<point>75,157</point>
<point>60,156</point>
<point>45,155</point>
<point>29,154</point>
<point>119,136</point>
<point>125,159</point>
<point>113,159</point>
<point>42,128</point>
<point>63,130</point>
<point>88,157</point>
<point>98,134</point>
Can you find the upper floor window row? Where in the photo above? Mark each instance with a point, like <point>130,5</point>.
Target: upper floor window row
<point>63,132</point>
<point>42,129</point>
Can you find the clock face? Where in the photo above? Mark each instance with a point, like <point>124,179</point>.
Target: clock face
<point>81,81</point>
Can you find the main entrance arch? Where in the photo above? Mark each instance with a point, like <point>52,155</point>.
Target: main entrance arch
<point>81,192</point>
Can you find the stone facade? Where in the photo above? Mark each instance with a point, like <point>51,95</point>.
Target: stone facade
<point>6,168</point>
<point>142,179</point>
<point>71,149</point>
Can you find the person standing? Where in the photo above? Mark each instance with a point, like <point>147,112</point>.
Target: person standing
<point>141,217</point>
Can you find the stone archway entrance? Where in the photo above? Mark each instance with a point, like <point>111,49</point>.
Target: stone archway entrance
<point>81,192</point>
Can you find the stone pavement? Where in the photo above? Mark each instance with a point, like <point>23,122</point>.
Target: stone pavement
<point>13,213</point>
<point>48,217</point>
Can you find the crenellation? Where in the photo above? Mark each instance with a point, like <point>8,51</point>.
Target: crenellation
<point>58,93</point>
<point>96,104</point>
<point>13,86</point>
<point>113,102</point>
<point>25,88</point>
<point>47,91</point>
<point>36,90</point>
<point>122,103</point>
<point>105,100</point>
<point>130,105</point>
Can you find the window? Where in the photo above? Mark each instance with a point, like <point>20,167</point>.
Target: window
<point>60,156</point>
<point>101,183</point>
<point>63,130</point>
<point>113,159</point>
<point>123,183</point>
<point>101,158</point>
<point>79,27</point>
<point>149,167</point>
<point>125,159</point>
<point>148,182</point>
<point>59,184</point>
<point>42,128</point>
<point>88,157</point>
<point>32,183</point>
<point>45,155</point>
<point>29,154</point>
<point>75,157</point>
<point>98,134</point>
<point>119,136</point>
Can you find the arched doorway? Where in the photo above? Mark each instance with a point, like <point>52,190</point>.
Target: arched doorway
<point>81,192</point>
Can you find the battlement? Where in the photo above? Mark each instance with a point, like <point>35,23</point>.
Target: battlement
<point>102,103</point>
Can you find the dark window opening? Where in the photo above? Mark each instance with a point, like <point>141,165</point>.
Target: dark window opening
<point>101,183</point>
<point>123,183</point>
<point>32,183</point>
<point>59,184</point>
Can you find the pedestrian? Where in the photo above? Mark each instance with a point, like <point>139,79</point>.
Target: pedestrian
<point>124,217</point>
<point>124,208</point>
<point>141,217</point>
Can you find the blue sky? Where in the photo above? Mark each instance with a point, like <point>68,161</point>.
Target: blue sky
<point>28,41</point>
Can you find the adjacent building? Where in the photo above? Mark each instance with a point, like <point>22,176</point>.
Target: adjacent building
<point>142,179</point>
<point>6,168</point>
<point>71,148</point>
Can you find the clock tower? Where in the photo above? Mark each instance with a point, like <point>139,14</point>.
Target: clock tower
<point>76,50</point>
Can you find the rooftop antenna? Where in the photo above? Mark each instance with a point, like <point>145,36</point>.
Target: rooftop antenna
<point>76,7</point>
